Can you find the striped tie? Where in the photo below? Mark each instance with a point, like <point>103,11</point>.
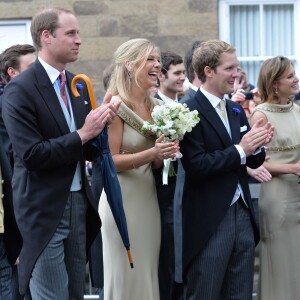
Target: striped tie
<point>62,78</point>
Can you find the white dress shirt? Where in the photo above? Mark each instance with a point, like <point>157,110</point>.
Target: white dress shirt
<point>54,77</point>
<point>166,99</point>
<point>215,103</point>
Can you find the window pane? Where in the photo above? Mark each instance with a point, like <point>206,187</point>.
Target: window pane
<point>279,30</point>
<point>244,29</point>
<point>275,36</point>
<point>14,32</point>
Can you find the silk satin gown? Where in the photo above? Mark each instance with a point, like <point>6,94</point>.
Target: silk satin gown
<point>279,207</point>
<point>143,221</point>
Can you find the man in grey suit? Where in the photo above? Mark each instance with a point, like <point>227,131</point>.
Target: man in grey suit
<point>195,84</point>
<point>219,228</point>
<point>171,83</point>
<point>49,130</point>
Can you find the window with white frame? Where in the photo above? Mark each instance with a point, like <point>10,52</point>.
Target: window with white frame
<point>259,30</point>
<point>14,32</point>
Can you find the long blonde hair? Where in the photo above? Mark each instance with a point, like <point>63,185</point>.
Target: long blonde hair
<point>132,52</point>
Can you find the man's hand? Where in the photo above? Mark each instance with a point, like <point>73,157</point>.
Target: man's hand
<point>97,119</point>
<point>258,136</point>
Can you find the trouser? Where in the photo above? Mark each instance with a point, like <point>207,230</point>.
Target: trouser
<point>5,272</point>
<point>224,269</point>
<point>59,272</point>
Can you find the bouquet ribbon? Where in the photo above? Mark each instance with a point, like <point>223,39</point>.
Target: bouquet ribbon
<point>166,169</point>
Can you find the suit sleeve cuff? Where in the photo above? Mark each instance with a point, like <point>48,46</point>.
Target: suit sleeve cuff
<point>242,154</point>
<point>79,137</point>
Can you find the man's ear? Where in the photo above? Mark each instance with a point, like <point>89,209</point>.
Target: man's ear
<point>11,72</point>
<point>208,71</point>
<point>46,36</point>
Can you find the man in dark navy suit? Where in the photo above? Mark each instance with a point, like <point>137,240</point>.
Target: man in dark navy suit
<point>10,238</point>
<point>219,228</point>
<point>49,129</point>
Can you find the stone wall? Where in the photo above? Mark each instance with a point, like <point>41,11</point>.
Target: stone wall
<point>105,24</point>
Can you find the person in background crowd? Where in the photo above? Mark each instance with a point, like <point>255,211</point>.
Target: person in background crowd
<point>171,77</point>
<point>2,85</point>
<point>107,75</point>
<point>244,93</point>
<point>218,258</point>
<point>171,81</point>
<point>5,201</point>
<point>195,82</point>
<point>279,199</point>
<point>13,61</point>
<point>135,152</point>
<point>297,98</point>
<point>49,130</point>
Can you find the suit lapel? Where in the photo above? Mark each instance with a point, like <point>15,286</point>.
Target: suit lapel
<point>208,112</point>
<point>49,97</point>
<point>234,121</point>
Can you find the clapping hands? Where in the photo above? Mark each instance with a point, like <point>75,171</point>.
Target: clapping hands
<point>258,136</point>
<point>98,118</point>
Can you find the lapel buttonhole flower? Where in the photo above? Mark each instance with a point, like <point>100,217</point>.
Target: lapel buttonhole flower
<point>236,111</point>
<point>79,86</point>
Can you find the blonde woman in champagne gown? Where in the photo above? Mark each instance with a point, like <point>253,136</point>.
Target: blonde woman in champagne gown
<point>279,202</point>
<point>135,152</point>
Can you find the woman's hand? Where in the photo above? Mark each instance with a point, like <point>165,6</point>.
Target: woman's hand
<point>261,174</point>
<point>164,150</point>
<point>296,168</point>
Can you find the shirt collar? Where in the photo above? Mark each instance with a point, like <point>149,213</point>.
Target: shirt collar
<point>193,87</point>
<point>52,72</point>
<point>214,100</point>
<point>165,98</point>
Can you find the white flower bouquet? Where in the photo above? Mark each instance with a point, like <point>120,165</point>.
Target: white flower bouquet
<point>173,120</point>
